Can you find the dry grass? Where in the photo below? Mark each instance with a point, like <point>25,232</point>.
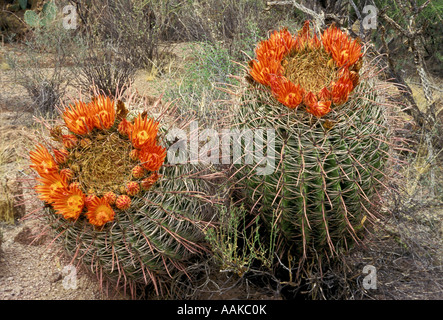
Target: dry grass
<point>6,201</point>
<point>6,204</point>
<point>13,167</point>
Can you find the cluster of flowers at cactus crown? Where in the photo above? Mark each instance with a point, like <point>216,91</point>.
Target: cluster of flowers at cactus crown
<point>334,78</point>
<point>63,185</point>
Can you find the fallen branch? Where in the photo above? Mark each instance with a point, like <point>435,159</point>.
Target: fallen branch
<point>319,17</point>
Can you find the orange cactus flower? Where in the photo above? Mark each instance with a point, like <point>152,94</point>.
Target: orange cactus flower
<point>144,132</point>
<point>341,90</point>
<point>317,71</point>
<point>286,92</point>
<point>69,202</point>
<point>305,41</point>
<point>148,182</point>
<point>61,156</point>
<point>50,185</point>
<point>324,94</point>
<point>343,49</point>
<point>125,128</point>
<point>67,174</point>
<point>69,141</point>
<point>279,44</point>
<point>123,202</point>
<point>79,118</point>
<point>90,166</point>
<point>152,157</point>
<point>103,112</point>
<point>310,99</point>
<point>99,212</point>
<point>263,70</point>
<point>42,161</point>
<point>320,108</point>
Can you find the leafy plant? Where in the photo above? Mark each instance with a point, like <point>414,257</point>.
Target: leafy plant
<point>234,246</point>
<point>101,68</point>
<point>45,80</point>
<point>23,4</point>
<point>42,19</point>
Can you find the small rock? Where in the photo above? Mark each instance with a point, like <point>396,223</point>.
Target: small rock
<point>24,236</point>
<point>56,276</point>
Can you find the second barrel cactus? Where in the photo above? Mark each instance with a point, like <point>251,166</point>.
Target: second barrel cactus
<point>330,141</point>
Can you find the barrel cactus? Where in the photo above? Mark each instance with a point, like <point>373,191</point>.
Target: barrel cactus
<point>115,205</point>
<point>329,144</point>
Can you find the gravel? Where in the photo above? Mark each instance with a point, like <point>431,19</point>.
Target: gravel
<point>38,271</point>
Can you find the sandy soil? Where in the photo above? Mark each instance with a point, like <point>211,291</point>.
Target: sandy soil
<point>37,271</point>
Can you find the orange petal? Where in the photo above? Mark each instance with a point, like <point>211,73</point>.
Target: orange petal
<point>263,71</point>
<point>125,127</point>
<point>287,93</point>
<point>99,212</point>
<point>144,132</point>
<point>67,174</point>
<point>103,112</point>
<point>50,185</point>
<point>152,157</point>
<point>276,47</point>
<point>340,90</point>
<point>324,94</point>
<point>42,161</point>
<point>344,50</point>
<point>61,156</point>
<point>310,99</point>
<point>69,202</point>
<point>79,118</point>
<point>320,108</point>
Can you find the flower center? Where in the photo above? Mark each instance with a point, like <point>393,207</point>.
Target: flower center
<point>80,122</point>
<point>143,137</point>
<point>105,164</point>
<point>102,211</point>
<point>103,114</point>
<point>103,214</point>
<point>75,202</point>
<point>47,166</point>
<point>102,119</point>
<point>312,69</point>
